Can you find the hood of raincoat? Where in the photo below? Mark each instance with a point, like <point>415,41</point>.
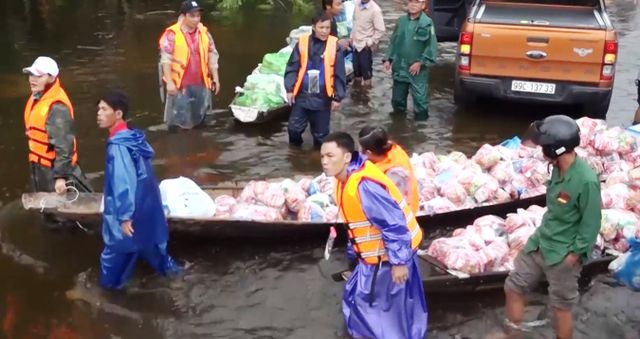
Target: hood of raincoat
<point>135,141</point>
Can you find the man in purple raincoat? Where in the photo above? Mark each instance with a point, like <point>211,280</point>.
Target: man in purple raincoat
<point>385,299</point>
<point>133,221</point>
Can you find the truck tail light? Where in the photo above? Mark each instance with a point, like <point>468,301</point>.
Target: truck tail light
<point>609,59</point>
<point>465,44</point>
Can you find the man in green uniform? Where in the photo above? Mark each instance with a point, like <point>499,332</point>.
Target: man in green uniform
<point>569,229</point>
<point>413,47</point>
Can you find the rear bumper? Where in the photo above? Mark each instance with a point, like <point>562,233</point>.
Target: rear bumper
<point>500,88</point>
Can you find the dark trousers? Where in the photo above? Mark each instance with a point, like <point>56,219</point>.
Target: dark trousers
<point>319,119</point>
<point>363,63</point>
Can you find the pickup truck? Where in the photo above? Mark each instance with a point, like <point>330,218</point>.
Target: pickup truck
<point>535,51</point>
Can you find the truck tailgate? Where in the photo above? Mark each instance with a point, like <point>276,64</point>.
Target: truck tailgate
<point>537,52</point>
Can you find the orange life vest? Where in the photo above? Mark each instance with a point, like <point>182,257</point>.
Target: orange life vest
<point>36,113</point>
<point>329,58</point>
<point>365,237</point>
<point>181,49</point>
<point>397,157</point>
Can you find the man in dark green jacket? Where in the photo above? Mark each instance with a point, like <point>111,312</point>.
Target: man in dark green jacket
<point>564,240</point>
<point>413,47</point>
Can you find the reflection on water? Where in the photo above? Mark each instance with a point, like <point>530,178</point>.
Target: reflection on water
<point>232,290</point>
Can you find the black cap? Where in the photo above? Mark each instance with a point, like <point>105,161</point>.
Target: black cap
<point>188,6</point>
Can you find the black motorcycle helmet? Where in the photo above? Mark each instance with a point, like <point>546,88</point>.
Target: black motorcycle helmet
<point>557,134</point>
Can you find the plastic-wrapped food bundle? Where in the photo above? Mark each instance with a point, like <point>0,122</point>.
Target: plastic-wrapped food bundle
<point>487,156</point>
<point>616,219</point>
<point>252,190</point>
<point>535,171</point>
<point>428,190</point>
<point>324,185</point>
<point>496,254</point>
<point>332,214</point>
<point>305,183</point>
<point>487,191</point>
<point>526,152</point>
<point>429,160</point>
<point>490,221</point>
<point>503,172</point>
<point>466,260</point>
<point>275,63</point>
<point>273,196</point>
<point>614,140</point>
<point>621,245</point>
<point>321,199</point>
<point>588,128</point>
<point>501,196</point>
<point>294,195</point>
<point>447,167</point>
<point>455,193</point>
<point>618,177</point>
<point>615,196</point>
<point>311,212</point>
<point>255,212</point>
<point>595,162</point>
<point>439,205</point>
<point>458,157</point>
<point>536,191</point>
<point>440,248</point>
<point>633,158</point>
<point>518,238</point>
<point>224,205</point>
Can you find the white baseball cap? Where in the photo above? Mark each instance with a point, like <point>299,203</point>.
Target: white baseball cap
<point>43,65</point>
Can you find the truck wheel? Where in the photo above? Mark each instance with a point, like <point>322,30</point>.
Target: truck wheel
<point>462,98</point>
<point>598,110</point>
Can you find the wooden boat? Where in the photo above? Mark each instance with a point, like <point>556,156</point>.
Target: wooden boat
<point>437,279</point>
<point>86,209</point>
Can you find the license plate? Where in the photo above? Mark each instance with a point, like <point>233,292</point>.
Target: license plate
<point>533,87</point>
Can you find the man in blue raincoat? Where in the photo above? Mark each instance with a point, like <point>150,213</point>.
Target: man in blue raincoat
<point>133,221</point>
<point>383,297</point>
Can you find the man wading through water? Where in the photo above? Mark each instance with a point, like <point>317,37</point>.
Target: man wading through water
<point>563,242</point>
<point>49,127</point>
<point>384,297</point>
<point>189,66</point>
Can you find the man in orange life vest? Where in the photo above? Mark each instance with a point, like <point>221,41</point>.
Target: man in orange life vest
<point>391,159</point>
<point>49,126</point>
<point>384,297</point>
<point>189,62</point>
<point>315,81</point>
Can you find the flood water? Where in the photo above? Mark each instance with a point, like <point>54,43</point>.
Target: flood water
<point>231,290</point>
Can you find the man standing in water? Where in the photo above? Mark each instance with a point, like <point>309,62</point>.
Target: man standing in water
<point>50,130</point>
<point>315,81</point>
<point>133,221</point>
<point>412,49</point>
<point>562,244</point>
<point>189,65</point>
<point>368,29</point>
<point>384,297</point>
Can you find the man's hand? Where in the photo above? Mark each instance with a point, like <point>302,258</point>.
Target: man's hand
<point>171,88</point>
<point>415,68</point>
<point>61,186</point>
<point>387,66</point>
<point>344,44</point>
<point>399,274</point>
<point>291,99</point>
<point>571,259</point>
<point>216,87</point>
<point>335,106</point>
<point>127,228</point>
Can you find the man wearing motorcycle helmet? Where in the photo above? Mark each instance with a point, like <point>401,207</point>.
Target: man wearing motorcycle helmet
<point>569,228</point>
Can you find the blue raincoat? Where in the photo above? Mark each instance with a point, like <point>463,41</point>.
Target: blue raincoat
<point>397,311</point>
<point>131,193</point>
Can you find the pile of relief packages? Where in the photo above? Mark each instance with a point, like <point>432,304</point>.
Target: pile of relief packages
<point>450,182</point>
<point>264,88</point>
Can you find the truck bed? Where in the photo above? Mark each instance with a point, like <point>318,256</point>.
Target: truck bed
<point>540,15</point>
